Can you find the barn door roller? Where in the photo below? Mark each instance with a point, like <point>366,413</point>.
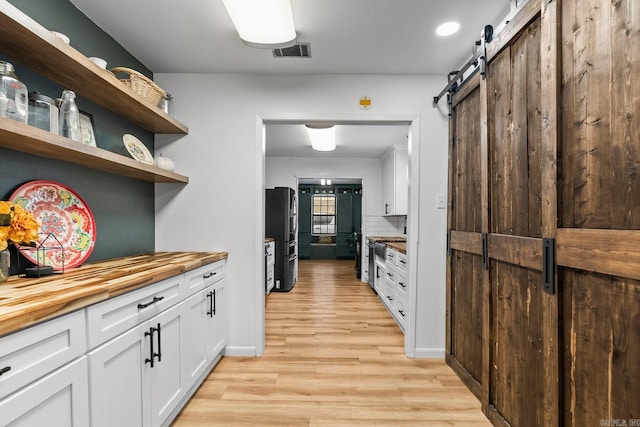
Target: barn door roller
<point>457,77</point>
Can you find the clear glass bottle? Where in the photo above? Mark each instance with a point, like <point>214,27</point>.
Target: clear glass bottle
<point>166,104</point>
<point>69,121</point>
<point>15,94</point>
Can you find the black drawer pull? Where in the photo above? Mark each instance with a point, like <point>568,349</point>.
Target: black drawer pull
<point>402,284</point>
<point>5,370</point>
<point>390,275</point>
<point>389,298</point>
<point>206,276</point>
<point>402,261</point>
<point>145,305</point>
<point>401,313</point>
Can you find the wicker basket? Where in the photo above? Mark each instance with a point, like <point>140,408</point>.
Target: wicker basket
<point>141,84</point>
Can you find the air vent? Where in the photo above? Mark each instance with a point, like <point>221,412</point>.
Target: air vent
<point>300,50</point>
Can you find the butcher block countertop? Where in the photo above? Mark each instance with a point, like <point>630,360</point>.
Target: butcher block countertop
<point>398,246</point>
<point>26,301</point>
<point>387,239</point>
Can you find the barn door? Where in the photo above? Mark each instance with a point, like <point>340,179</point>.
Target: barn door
<point>464,268</point>
<point>517,361</point>
<point>598,239</point>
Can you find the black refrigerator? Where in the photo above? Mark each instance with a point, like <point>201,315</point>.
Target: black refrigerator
<point>281,224</point>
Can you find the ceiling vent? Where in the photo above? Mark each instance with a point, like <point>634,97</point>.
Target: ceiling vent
<point>299,50</point>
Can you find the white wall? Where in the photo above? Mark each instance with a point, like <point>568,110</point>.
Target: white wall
<point>216,211</point>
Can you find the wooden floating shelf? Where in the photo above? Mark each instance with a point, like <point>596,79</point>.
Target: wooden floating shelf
<point>25,41</point>
<point>21,137</point>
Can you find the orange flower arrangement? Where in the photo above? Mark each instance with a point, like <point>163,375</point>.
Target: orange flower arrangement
<point>17,226</point>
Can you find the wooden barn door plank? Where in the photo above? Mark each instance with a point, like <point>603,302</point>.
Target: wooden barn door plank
<point>464,277</point>
<point>599,193</point>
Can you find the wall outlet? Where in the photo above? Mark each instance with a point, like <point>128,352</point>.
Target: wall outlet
<point>441,201</point>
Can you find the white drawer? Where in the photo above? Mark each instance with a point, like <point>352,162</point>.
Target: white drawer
<point>391,273</point>
<point>270,249</point>
<point>402,261</point>
<point>200,278</point>
<point>389,295</point>
<point>401,311</point>
<point>110,318</point>
<point>392,256</point>
<point>402,283</point>
<point>33,352</point>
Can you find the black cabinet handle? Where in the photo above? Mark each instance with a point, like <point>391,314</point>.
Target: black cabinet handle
<point>5,370</point>
<point>390,275</point>
<point>151,353</point>
<point>145,305</point>
<point>386,208</point>
<point>401,312</point>
<point>389,298</point>
<point>212,303</point>
<point>159,353</point>
<point>402,284</point>
<point>206,276</point>
<point>402,261</point>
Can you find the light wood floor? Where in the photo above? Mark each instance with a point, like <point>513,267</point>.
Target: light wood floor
<point>334,357</point>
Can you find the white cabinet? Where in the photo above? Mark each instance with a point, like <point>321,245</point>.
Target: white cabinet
<point>43,374</point>
<point>59,399</point>
<point>136,379</point>
<point>394,294</point>
<point>204,330</point>
<point>395,180</point>
<point>119,381</point>
<point>31,353</point>
<point>270,256</point>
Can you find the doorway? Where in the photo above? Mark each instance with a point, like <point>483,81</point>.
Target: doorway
<point>411,123</point>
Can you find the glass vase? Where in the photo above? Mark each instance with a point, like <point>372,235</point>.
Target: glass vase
<point>4,265</point>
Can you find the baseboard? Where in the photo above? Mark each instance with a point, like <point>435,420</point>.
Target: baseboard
<point>240,351</point>
<point>429,353</point>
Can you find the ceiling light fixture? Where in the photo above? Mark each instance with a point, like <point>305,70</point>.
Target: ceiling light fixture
<point>266,24</point>
<point>447,29</point>
<point>323,137</point>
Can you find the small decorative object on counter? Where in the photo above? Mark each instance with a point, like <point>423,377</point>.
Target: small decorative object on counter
<point>43,112</point>
<point>69,121</point>
<point>15,92</point>
<point>166,104</point>
<point>16,226</point>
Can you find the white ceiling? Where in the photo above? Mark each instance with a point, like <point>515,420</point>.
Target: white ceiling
<point>352,141</point>
<point>345,36</point>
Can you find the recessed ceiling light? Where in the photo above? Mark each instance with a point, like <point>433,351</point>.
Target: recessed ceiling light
<point>447,29</point>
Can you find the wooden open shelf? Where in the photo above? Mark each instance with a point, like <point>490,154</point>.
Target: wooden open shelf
<point>28,139</point>
<point>25,41</point>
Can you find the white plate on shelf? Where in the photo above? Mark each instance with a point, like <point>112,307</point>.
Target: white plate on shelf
<point>137,149</point>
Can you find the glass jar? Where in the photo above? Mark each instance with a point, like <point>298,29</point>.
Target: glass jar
<point>15,94</point>
<point>166,104</point>
<point>69,121</point>
<point>43,112</point>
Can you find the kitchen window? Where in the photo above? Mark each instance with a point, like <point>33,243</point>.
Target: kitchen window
<point>323,219</point>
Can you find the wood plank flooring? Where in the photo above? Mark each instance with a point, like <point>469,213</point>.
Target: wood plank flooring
<point>334,357</point>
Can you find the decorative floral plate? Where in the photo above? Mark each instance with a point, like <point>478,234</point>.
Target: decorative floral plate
<point>60,211</point>
<point>137,149</point>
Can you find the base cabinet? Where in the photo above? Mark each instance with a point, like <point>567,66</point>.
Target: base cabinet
<point>60,399</point>
<point>203,330</point>
<point>136,379</point>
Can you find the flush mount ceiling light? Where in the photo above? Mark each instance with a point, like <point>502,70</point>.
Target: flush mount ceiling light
<point>447,29</point>
<point>323,137</point>
<point>266,24</point>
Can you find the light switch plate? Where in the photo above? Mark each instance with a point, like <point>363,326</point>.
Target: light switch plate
<point>441,201</point>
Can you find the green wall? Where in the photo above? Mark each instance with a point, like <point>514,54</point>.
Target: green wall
<point>123,207</point>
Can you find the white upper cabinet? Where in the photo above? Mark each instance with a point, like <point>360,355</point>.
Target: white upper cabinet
<point>395,180</point>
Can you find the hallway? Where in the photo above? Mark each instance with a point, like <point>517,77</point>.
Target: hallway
<point>334,357</point>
